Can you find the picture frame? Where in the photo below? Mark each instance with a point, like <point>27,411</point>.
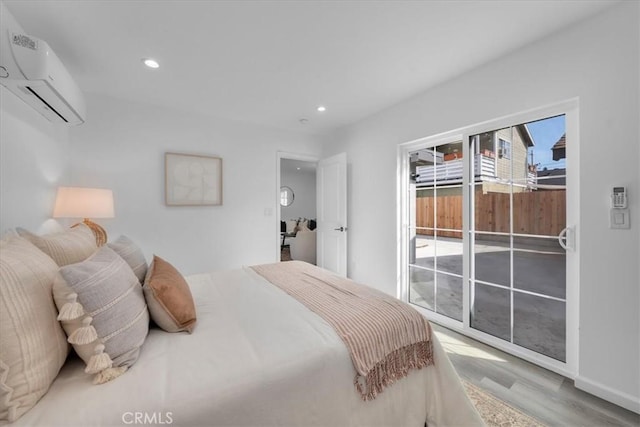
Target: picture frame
<point>192,180</point>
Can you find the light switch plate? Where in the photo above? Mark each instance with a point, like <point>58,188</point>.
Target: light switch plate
<point>619,218</point>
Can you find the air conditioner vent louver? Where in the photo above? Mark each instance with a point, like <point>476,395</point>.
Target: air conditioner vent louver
<point>47,104</point>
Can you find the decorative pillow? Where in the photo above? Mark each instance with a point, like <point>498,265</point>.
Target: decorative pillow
<point>32,344</point>
<point>169,297</point>
<point>68,247</point>
<point>291,225</point>
<point>103,312</point>
<point>132,254</point>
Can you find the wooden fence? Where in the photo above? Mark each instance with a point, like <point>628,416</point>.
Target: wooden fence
<point>534,212</point>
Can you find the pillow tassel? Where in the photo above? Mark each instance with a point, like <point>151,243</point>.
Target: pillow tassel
<point>86,334</point>
<point>72,309</point>
<point>99,361</point>
<point>109,374</point>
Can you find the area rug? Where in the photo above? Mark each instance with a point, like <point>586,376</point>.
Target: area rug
<point>497,413</point>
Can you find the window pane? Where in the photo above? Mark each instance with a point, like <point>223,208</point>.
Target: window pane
<point>449,207</point>
<point>539,325</point>
<point>448,249</point>
<point>492,260</point>
<point>437,166</point>
<point>423,164</point>
<point>539,265</point>
<point>492,202</point>
<point>491,311</point>
<point>504,152</point>
<point>425,209</point>
<point>449,296</point>
<point>540,212</point>
<point>424,249</point>
<point>422,287</point>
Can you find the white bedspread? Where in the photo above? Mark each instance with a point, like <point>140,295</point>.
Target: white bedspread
<point>257,357</point>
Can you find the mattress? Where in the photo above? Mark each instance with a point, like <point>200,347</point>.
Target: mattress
<point>257,357</point>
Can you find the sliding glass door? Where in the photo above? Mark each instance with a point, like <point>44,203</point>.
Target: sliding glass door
<point>518,266</point>
<point>488,250</point>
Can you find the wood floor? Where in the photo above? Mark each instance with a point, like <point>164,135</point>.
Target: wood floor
<point>542,394</point>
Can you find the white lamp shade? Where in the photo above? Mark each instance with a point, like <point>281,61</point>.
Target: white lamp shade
<point>80,202</point>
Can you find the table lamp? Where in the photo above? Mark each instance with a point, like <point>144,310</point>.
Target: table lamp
<point>81,202</point>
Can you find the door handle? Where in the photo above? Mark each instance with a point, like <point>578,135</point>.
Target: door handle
<point>565,238</point>
<point>341,229</point>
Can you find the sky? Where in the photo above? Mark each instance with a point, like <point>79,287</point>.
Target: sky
<point>545,133</point>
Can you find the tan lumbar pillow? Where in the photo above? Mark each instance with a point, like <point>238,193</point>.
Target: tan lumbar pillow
<point>169,297</point>
<point>68,247</point>
<point>33,347</point>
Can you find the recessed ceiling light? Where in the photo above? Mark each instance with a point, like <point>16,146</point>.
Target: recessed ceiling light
<point>151,63</point>
<point>321,108</point>
<point>298,168</point>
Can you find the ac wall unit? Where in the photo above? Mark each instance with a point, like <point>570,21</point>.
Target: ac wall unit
<point>32,71</point>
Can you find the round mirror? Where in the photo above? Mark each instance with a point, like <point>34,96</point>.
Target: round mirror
<point>286,196</point>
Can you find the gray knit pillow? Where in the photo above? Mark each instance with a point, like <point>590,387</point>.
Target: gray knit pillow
<point>103,312</point>
<point>132,254</point>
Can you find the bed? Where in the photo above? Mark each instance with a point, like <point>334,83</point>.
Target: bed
<point>257,357</point>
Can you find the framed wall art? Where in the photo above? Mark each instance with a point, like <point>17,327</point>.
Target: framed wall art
<point>192,180</point>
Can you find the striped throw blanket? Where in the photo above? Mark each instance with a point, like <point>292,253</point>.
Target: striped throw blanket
<point>385,337</point>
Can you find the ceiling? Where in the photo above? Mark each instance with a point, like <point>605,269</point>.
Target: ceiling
<point>272,63</point>
<point>292,166</point>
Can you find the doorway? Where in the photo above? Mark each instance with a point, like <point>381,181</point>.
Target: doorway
<point>297,209</point>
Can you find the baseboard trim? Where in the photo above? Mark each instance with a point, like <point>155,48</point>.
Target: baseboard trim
<point>625,400</point>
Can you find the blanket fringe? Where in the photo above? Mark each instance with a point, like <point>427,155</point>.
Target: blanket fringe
<point>395,366</point>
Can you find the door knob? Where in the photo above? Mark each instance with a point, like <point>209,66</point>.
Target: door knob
<point>341,229</point>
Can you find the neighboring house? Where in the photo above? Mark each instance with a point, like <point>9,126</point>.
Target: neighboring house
<point>552,179</point>
<point>559,149</point>
<point>496,153</point>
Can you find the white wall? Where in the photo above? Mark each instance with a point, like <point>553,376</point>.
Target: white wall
<point>122,146</point>
<point>33,162</point>
<point>597,61</point>
<point>303,184</point>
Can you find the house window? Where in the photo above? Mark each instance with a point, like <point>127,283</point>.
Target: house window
<point>504,149</point>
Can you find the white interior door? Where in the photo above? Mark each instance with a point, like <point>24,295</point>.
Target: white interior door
<point>331,184</point>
